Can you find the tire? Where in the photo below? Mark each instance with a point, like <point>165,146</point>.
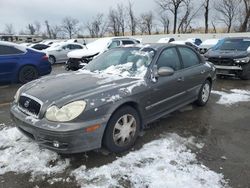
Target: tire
<point>204,93</point>
<point>52,60</point>
<point>245,75</point>
<point>118,137</point>
<point>27,74</point>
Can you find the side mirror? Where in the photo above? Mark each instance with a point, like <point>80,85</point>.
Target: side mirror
<point>165,71</point>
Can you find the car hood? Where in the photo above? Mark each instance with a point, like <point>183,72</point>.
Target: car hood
<point>73,86</point>
<point>226,54</point>
<point>78,54</point>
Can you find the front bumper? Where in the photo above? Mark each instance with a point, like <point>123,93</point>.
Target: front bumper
<point>60,137</point>
<point>228,70</point>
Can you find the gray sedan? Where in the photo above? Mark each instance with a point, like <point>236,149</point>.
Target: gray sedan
<point>109,102</point>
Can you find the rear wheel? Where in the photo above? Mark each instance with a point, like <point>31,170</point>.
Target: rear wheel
<point>27,74</point>
<point>122,130</point>
<point>204,94</point>
<point>245,75</point>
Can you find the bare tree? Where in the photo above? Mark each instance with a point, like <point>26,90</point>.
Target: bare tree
<point>206,5</point>
<point>37,27</point>
<point>172,6</point>
<point>48,29</point>
<point>31,29</point>
<point>246,15</point>
<point>9,29</point>
<point>227,10</point>
<point>189,14</point>
<point>132,18</point>
<point>55,30</point>
<point>121,18</point>
<point>163,18</point>
<point>147,21</point>
<point>70,26</point>
<point>113,19</point>
<point>97,27</point>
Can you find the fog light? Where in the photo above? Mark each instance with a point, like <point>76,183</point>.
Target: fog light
<point>56,144</point>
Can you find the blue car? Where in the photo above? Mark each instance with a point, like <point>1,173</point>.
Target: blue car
<point>21,64</point>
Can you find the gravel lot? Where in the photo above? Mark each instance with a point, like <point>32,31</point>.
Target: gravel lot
<point>192,147</point>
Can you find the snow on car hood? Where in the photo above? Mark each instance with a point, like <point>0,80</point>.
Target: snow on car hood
<point>92,48</point>
<point>82,84</point>
<point>78,54</point>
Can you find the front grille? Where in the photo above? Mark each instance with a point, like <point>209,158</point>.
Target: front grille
<point>222,61</point>
<point>29,106</point>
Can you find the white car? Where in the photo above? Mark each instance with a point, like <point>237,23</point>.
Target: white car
<point>207,44</point>
<point>196,41</point>
<point>79,57</point>
<point>58,53</point>
<point>166,40</point>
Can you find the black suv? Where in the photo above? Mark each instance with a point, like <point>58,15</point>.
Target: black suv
<point>231,56</point>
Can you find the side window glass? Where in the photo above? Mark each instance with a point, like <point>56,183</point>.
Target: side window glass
<point>9,50</point>
<point>114,44</point>
<point>169,58</point>
<point>127,42</point>
<point>189,57</point>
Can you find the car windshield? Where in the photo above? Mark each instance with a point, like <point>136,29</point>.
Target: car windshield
<point>233,44</point>
<point>128,62</point>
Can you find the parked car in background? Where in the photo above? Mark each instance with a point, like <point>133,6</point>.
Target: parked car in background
<point>207,44</point>
<point>58,53</point>
<point>21,64</point>
<point>78,58</point>
<point>183,42</point>
<point>231,56</point>
<point>50,42</point>
<point>110,101</point>
<point>196,41</point>
<point>166,40</point>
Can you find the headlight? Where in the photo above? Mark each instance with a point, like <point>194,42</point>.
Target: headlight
<point>242,60</point>
<point>66,113</point>
<point>17,95</point>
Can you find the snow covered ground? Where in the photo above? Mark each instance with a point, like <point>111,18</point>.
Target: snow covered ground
<point>233,96</point>
<point>167,162</point>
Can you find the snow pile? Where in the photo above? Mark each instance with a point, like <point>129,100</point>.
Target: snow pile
<point>233,96</point>
<point>18,154</point>
<point>166,162</point>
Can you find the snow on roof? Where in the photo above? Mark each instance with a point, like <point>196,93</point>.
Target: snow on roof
<point>210,42</point>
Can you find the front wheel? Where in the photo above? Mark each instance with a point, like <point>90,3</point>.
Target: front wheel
<point>52,60</point>
<point>204,94</point>
<point>122,130</point>
<point>245,75</point>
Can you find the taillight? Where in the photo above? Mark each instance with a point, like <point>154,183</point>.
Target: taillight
<point>45,58</point>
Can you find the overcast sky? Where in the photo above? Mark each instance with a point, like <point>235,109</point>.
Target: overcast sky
<point>22,12</point>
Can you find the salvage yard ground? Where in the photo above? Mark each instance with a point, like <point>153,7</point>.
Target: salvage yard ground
<point>193,147</point>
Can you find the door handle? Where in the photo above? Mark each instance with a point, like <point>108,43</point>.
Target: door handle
<point>180,79</point>
<point>203,71</point>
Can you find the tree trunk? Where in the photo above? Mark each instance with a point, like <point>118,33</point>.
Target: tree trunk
<point>175,20</point>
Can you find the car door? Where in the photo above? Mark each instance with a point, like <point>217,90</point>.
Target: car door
<point>9,57</point>
<point>167,92</point>
<point>62,54</point>
<point>193,71</point>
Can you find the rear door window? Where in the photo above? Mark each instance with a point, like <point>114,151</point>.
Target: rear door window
<point>189,57</point>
